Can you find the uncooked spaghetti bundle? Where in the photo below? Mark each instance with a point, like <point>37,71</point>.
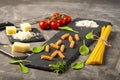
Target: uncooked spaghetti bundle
<point>96,57</point>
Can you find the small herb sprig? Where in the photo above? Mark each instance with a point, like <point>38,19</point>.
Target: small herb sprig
<point>59,67</point>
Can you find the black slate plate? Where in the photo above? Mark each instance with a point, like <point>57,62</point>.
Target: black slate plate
<point>70,54</point>
<point>37,38</point>
<point>3,25</point>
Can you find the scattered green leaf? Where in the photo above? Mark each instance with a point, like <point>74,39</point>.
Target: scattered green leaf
<point>38,49</point>
<point>90,35</point>
<point>78,65</point>
<point>59,67</point>
<point>83,50</point>
<point>18,61</point>
<point>24,69</point>
<point>67,28</point>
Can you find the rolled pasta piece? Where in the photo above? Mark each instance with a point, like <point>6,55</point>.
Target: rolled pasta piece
<point>72,44</point>
<point>62,48</point>
<point>54,54</point>
<point>47,48</point>
<point>64,36</point>
<point>45,57</point>
<point>54,46</point>
<point>70,38</point>
<point>58,42</point>
<point>77,38</point>
<point>60,54</point>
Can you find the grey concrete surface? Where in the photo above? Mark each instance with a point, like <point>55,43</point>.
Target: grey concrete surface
<point>18,11</point>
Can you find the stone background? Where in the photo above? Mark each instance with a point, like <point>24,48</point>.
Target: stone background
<point>18,11</point>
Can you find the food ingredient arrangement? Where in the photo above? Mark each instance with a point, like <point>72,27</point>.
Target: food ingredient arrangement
<point>60,22</point>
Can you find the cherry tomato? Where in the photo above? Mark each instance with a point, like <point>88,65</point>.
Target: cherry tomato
<point>43,25</point>
<point>67,19</point>
<point>56,14</point>
<point>48,20</point>
<point>54,25</point>
<point>61,22</point>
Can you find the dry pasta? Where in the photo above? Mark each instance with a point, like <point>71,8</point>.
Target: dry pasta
<point>65,36</point>
<point>62,48</point>
<point>58,42</point>
<point>60,54</point>
<point>45,57</point>
<point>54,46</point>
<point>77,37</point>
<point>47,48</point>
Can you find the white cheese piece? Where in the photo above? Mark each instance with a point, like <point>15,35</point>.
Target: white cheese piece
<point>20,47</point>
<point>10,30</point>
<point>26,27</point>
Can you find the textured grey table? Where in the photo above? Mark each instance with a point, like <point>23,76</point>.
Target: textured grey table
<point>31,10</point>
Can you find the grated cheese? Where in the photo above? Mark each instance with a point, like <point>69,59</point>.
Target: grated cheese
<point>86,23</point>
<point>23,35</point>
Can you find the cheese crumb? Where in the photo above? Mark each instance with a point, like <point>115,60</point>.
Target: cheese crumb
<point>23,35</point>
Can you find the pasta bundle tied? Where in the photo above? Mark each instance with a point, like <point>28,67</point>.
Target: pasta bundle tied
<point>96,57</point>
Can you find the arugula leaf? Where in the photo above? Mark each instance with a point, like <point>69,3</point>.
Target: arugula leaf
<point>38,49</point>
<point>83,50</point>
<point>67,28</point>
<point>78,65</point>
<point>18,61</point>
<point>90,35</point>
<point>59,67</point>
<point>24,69</point>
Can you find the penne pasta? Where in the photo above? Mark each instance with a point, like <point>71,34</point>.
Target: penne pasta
<point>60,54</point>
<point>70,38</point>
<point>54,54</point>
<point>54,46</point>
<point>45,57</point>
<point>47,48</point>
<point>72,44</point>
<point>58,42</point>
<point>77,38</point>
<point>65,36</point>
<point>62,48</point>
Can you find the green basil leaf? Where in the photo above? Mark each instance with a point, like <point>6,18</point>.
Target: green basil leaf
<point>18,61</point>
<point>90,35</point>
<point>24,69</point>
<point>38,49</point>
<point>83,50</point>
<point>78,65</point>
<point>67,28</point>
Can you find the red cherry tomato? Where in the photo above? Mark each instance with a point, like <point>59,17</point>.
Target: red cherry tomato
<point>43,25</point>
<point>60,21</point>
<point>67,19</point>
<point>56,14</point>
<point>54,25</point>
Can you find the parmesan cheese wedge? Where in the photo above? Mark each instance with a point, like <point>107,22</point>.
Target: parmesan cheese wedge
<point>26,27</point>
<point>20,47</point>
<point>11,30</point>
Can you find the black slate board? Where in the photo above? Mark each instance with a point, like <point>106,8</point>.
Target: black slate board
<point>70,54</point>
<point>37,38</point>
<point>3,25</point>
